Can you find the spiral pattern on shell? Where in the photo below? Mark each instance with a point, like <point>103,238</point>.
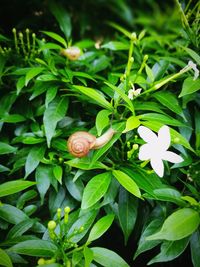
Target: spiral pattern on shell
<point>80,143</point>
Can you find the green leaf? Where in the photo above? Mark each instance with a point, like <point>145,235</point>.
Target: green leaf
<point>127,182</point>
<point>56,37</point>
<point>88,255</point>
<point>195,248</point>
<point>38,248</point>
<point>102,120</point>
<point>5,259</point>
<point>13,118</point>
<point>169,194</point>
<point>178,225</point>
<point>122,94</point>
<point>12,187</point>
<point>193,54</point>
<point>44,176</point>
<point>127,211</point>
<point>50,95</point>
<point>131,123</point>
<point>86,164</point>
<point>52,115</point>
<point>11,214</point>
<point>94,95</point>
<point>100,227</point>
<point>62,16</point>
<point>165,119</point>
<point>32,73</point>
<point>108,258</point>
<point>116,45</point>
<point>145,245</point>
<point>168,100</point>
<point>170,250</point>
<point>20,228</point>
<point>6,148</point>
<point>34,157</point>
<point>58,172</point>
<point>149,73</point>
<point>95,189</point>
<point>190,86</point>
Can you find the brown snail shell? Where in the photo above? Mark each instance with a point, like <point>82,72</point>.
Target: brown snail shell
<point>72,53</point>
<point>80,143</point>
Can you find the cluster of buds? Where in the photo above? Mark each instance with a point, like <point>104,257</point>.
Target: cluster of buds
<point>42,261</point>
<point>132,149</point>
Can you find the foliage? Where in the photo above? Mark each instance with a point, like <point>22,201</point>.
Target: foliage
<point>46,95</point>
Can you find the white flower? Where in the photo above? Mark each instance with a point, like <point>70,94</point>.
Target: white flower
<point>134,92</point>
<point>156,147</point>
<point>194,67</point>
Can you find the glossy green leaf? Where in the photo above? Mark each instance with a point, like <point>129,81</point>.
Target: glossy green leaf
<point>34,157</point>
<point>58,172</point>
<point>62,16</point>
<point>195,248</point>
<point>11,214</point>
<point>169,194</point>
<point>86,164</point>
<point>178,225</point>
<point>193,54</point>
<point>127,182</point>
<point>6,148</point>
<point>100,227</point>
<point>32,73</point>
<point>12,187</point>
<point>13,118</point>
<point>95,189</point>
<point>168,100</point>
<point>94,95</point>
<point>131,123</point>
<point>20,228</point>
<point>88,255</point>
<point>56,37</point>
<point>107,258</point>
<point>50,95</point>
<point>52,115</point>
<point>116,45</point>
<point>190,86</point>
<point>127,212</point>
<point>38,248</point>
<point>102,120</point>
<point>5,259</point>
<point>170,250</point>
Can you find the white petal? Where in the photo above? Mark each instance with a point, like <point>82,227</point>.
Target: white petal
<point>164,137</point>
<point>144,152</point>
<point>172,157</point>
<point>147,135</point>
<point>158,166</point>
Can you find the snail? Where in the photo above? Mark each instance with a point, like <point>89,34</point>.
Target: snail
<point>80,143</point>
<point>72,53</point>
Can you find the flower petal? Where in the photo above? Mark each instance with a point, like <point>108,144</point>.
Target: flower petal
<point>145,152</point>
<point>172,157</point>
<point>146,134</point>
<point>158,166</point>
<point>164,137</point>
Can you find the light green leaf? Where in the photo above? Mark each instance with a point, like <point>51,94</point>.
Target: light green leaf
<point>178,225</point>
<point>12,187</point>
<point>52,115</point>
<point>56,37</point>
<point>95,189</point>
<point>169,194</point>
<point>127,182</point>
<point>32,73</point>
<point>58,172</point>
<point>11,214</point>
<point>190,86</point>
<point>170,250</point>
<point>38,248</point>
<point>50,95</point>
<point>6,148</point>
<point>88,255</point>
<point>85,164</point>
<point>13,118</point>
<point>116,45</point>
<point>131,123</point>
<point>193,54</point>
<point>62,16</point>
<point>108,258</point>
<point>102,120</point>
<point>100,227</point>
<point>34,157</point>
<point>94,95</point>
<point>5,259</point>
<point>195,248</point>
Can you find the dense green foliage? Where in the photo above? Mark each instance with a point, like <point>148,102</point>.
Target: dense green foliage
<point>132,72</point>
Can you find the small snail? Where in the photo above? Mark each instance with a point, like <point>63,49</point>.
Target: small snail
<point>72,53</point>
<point>80,143</point>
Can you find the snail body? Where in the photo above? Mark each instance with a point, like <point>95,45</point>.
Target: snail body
<point>80,143</point>
<point>72,52</point>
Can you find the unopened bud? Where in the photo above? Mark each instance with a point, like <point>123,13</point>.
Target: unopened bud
<point>41,261</point>
<point>59,211</point>
<point>133,36</point>
<point>135,147</point>
<point>176,140</point>
<point>51,225</point>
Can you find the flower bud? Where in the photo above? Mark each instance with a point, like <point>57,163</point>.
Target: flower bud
<point>59,213</point>
<point>51,225</point>
<point>135,147</point>
<point>176,140</point>
<point>41,261</point>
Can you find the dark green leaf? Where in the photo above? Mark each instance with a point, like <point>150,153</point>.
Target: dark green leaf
<point>11,214</point>
<point>195,248</point>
